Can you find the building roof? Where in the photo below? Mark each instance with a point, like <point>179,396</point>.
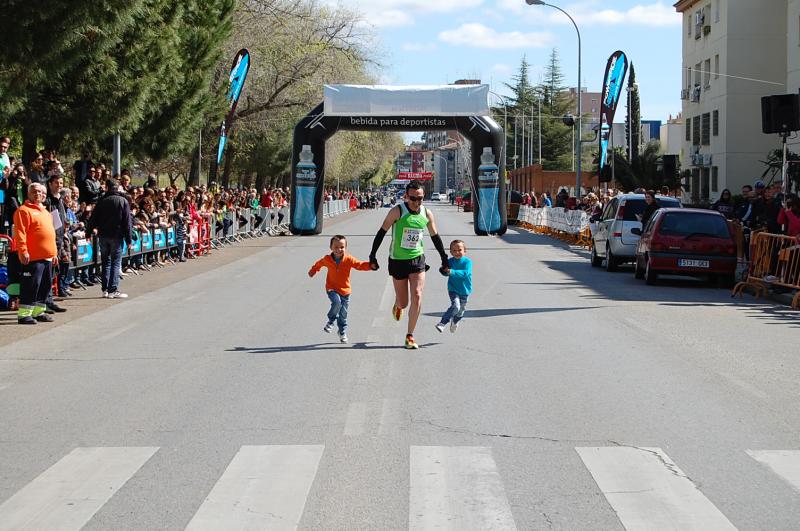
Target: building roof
<point>683,5</point>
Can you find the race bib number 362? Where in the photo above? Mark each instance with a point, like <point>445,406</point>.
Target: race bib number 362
<point>411,238</point>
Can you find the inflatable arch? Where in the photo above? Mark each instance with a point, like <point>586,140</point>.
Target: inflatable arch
<point>382,108</point>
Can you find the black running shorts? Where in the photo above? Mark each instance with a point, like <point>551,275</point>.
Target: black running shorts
<point>401,269</point>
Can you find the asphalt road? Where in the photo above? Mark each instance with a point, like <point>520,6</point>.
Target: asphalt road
<point>569,398</point>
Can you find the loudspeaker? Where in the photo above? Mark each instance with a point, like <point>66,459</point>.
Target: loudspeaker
<point>670,165</point>
<point>780,113</point>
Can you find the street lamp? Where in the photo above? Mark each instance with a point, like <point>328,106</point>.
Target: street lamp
<point>580,109</point>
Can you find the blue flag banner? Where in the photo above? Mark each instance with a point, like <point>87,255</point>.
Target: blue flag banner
<point>239,70</point>
<point>171,242</point>
<point>616,69</point>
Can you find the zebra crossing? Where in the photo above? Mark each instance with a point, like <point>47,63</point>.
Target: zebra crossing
<point>450,487</point>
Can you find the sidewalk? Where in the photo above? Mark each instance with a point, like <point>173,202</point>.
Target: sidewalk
<point>90,301</point>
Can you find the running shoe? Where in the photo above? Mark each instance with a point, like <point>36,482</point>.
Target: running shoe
<point>410,343</point>
<point>342,337</point>
<point>453,327</point>
<point>397,313</point>
<point>328,328</point>
<point>440,327</point>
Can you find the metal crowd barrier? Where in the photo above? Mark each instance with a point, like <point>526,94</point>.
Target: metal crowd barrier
<point>774,261</point>
<point>335,207</point>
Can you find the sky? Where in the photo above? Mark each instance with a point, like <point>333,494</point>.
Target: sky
<point>439,41</point>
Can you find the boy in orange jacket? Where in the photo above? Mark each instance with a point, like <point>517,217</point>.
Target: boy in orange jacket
<point>337,283</point>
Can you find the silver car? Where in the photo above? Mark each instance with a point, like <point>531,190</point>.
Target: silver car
<point>613,238</point>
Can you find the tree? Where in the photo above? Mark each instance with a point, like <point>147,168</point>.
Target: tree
<point>557,143</point>
<point>108,71</point>
<point>774,168</point>
<point>633,121</point>
<point>297,46</point>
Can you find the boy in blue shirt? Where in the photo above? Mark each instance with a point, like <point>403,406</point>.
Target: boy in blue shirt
<point>459,285</point>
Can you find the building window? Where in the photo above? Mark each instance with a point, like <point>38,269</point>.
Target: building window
<point>715,123</point>
<point>696,131</point>
<point>707,73</point>
<point>705,177</point>
<point>716,10</point>
<point>716,66</point>
<point>714,178</point>
<point>705,137</point>
<point>688,129</point>
<point>689,25</point>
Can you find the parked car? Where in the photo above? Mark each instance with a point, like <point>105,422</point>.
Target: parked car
<point>613,238</point>
<point>435,196</point>
<point>466,202</point>
<point>686,242</point>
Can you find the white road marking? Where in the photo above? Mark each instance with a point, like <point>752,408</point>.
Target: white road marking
<point>390,418</point>
<point>456,488</point>
<point>193,296</point>
<point>648,491</point>
<point>746,386</point>
<point>67,495</point>
<point>117,332</point>
<point>785,463</point>
<point>356,418</point>
<point>264,487</point>
<point>387,298</point>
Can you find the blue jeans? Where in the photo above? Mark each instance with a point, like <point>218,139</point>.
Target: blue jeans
<point>111,253</point>
<point>338,311</point>
<point>458,305</point>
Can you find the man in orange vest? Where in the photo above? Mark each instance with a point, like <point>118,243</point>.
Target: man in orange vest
<point>35,240</point>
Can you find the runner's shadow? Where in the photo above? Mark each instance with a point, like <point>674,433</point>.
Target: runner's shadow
<point>360,345</point>
<point>495,312</point>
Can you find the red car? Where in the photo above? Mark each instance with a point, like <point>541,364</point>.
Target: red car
<point>686,241</point>
<point>466,202</point>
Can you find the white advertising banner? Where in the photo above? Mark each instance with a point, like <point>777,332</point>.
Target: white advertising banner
<point>570,221</point>
<point>414,100</point>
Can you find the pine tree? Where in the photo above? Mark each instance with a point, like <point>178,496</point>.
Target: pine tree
<point>633,120</point>
<point>557,143</point>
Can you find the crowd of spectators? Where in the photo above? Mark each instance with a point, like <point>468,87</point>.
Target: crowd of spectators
<point>75,197</point>
<point>759,207</point>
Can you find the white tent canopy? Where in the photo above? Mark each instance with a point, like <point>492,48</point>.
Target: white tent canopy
<point>412,100</point>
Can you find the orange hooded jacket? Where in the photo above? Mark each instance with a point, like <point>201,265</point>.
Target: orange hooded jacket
<point>338,278</point>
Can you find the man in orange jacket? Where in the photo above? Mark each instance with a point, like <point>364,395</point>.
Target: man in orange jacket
<point>35,240</point>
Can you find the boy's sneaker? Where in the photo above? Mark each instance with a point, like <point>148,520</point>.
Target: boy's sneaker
<point>410,343</point>
<point>106,294</point>
<point>440,327</point>
<point>342,337</point>
<point>117,295</point>
<point>44,318</point>
<point>397,313</point>
<point>328,328</point>
<point>453,327</point>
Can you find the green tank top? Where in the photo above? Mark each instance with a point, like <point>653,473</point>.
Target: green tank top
<point>407,234</point>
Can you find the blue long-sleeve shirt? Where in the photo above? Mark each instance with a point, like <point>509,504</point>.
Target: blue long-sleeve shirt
<point>460,279</point>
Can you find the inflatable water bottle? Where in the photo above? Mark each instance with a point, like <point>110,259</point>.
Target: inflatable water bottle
<point>488,190</point>
<point>305,215</point>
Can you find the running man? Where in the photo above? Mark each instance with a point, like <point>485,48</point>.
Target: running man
<point>407,267</point>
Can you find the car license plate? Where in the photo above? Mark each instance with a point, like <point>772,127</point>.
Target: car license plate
<point>693,263</point>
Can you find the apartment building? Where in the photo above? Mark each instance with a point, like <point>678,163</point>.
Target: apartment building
<point>734,52</point>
